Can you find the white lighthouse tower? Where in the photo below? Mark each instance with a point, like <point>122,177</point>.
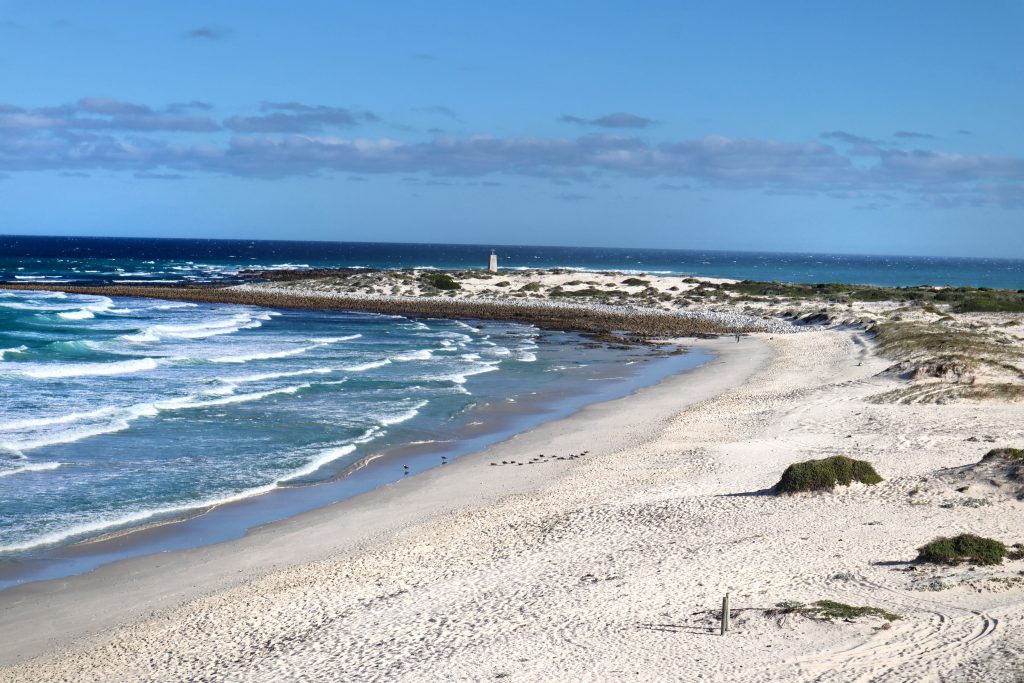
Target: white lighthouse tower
<point>493,263</point>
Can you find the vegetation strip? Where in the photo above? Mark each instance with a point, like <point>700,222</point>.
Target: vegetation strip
<point>646,324</point>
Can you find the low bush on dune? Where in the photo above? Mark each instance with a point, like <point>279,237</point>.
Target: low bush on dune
<point>826,474</point>
<point>441,281</point>
<point>963,548</point>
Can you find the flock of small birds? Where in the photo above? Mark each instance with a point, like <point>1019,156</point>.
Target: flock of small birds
<point>541,459</point>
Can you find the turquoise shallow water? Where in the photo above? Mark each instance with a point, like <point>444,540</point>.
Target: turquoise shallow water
<point>120,413</point>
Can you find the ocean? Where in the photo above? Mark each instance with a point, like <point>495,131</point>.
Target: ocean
<point>116,414</point>
<point>63,259</point>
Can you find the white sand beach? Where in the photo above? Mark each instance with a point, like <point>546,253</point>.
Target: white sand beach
<point>610,566</point>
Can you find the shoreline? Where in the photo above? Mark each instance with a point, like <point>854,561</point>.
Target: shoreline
<point>86,603</point>
<point>232,519</point>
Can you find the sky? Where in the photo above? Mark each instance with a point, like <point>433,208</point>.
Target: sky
<point>845,127</point>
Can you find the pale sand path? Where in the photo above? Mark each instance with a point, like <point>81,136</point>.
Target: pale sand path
<point>598,569</point>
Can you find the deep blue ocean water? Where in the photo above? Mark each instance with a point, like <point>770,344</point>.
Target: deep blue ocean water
<point>28,259</point>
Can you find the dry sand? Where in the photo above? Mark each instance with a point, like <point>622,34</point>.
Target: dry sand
<point>605,567</point>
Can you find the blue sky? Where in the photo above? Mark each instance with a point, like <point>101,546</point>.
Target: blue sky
<point>863,127</point>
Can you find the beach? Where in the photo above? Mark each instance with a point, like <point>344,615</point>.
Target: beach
<point>606,566</point>
<point>468,342</point>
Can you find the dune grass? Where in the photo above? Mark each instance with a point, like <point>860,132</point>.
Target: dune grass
<point>959,299</point>
<point>827,610</point>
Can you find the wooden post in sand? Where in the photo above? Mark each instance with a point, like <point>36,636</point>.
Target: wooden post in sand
<point>725,614</point>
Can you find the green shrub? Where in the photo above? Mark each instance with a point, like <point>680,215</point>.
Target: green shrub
<point>825,474</point>
<point>990,304</point>
<point>440,281</point>
<point>635,282</point>
<point>963,548</point>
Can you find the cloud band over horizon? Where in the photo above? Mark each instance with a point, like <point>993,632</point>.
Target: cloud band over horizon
<point>293,139</point>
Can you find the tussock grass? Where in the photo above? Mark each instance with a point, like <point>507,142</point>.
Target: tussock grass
<point>826,474</point>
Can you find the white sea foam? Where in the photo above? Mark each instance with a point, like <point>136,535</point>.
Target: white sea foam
<point>16,349</point>
<point>326,456</point>
<point>460,376</point>
<point>419,354</point>
<point>361,367</point>
<point>270,355</point>
<point>67,418</point>
<point>61,370</point>
<point>136,516</point>
<point>191,402</point>
<point>31,467</point>
<point>81,314</point>
<point>176,304</point>
<point>276,375</point>
<point>126,519</point>
<point>200,330</point>
<point>120,418</point>
<point>404,416</point>
<point>335,340</point>
<point>70,436</point>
